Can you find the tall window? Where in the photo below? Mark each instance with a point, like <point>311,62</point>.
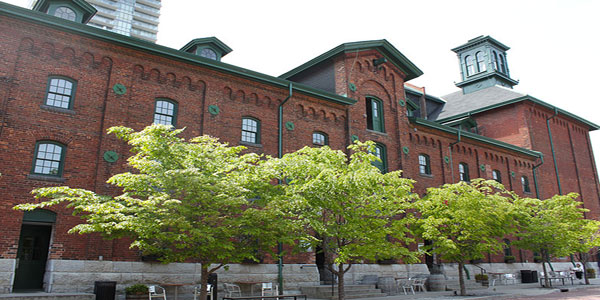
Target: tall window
<point>507,249</point>
<point>495,60</point>
<point>424,165</point>
<point>480,61</point>
<point>525,184</point>
<point>319,139</point>
<point>165,112</point>
<point>60,92</point>
<point>250,130</point>
<point>470,65</point>
<point>66,13</point>
<point>375,115</point>
<point>380,152</point>
<point>48,159</point>
<point>463,172</point>
<point>501,63</point>
<point>497,176</point>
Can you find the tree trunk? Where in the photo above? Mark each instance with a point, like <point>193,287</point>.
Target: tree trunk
<point>583,259</point>
<point>341,292</point>
<point>461,280</point>
<point>203,281</point>
<point>546,280</point>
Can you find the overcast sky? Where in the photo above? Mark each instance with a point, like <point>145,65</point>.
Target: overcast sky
<point>554,52</point>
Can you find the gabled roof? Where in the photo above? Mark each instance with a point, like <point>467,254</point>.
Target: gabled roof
<point>169,53</point>
<point>383,46</point>
<point>213,41</point>
<point>88,10</point>
<point>459,105</point>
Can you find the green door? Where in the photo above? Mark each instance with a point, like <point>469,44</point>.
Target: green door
<point>31,257</point>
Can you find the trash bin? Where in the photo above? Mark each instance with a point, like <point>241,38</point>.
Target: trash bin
<point>526,276</point>
<point>534,276</point>
<point>579,274</point>
<point>105,290</point>
<point>213,279</point>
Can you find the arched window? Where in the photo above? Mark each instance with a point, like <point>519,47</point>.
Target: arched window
<point>525,184</point>
<point>497,176</point>
<point>66,13</point>
<point>501,63</point>
<point>375,114</point>
<point>165,112</point>
<point>250,130</point>
<point>480,61</point>
<point>319,138</point>
<point>380,152</point>
<point>60,92</point>
<point>495,60</point>
<point>469,65</point>
<point>424,164</point>
<point>48,159</point>
<point>463,172</point>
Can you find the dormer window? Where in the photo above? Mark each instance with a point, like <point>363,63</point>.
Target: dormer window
<point>208,53</point>
<point>470,65</point>
<point>66,13</point>
<point>480,62</point>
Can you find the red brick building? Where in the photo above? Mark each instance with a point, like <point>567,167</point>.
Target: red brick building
<point>62,84</point>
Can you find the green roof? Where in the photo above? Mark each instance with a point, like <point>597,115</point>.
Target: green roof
<point>170,53</point>
<point>383,46</point>
<point>475,137</point>
<point>480,40</point>
<point>209,40</point>
<point>88,9</point>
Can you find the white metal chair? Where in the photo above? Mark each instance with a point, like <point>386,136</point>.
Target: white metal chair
<point>232,290</point>
<point>269,289</point>
<point>156,291</point>
<point>419,284</point>
<point>209,291</point>
<point>405,285</point>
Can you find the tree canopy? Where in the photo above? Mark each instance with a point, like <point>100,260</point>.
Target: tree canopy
<point>346,205</point>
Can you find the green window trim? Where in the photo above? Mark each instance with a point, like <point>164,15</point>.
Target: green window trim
<point>381,153</point>
<point>496,175</point>
<point>463,172</point>
<point>320,138</point>
<point>60,92</point>
<point>374,109</point>
<point>165,112</point>
<point>525,184</point>
<point>424,164</point>
<point>48,158</point>
<point>250,130</point>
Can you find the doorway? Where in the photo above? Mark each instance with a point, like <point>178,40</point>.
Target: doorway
<point>32,256</point>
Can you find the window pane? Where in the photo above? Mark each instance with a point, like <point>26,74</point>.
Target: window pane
<point>60,92</point>
<point>250,130</point>
<point>48,159</point>
<point>319,139</point>
<point>164,113</point>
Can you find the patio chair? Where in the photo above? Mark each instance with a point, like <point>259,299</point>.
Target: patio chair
<point>405,285</point>
<point>156,291</point>
<point>232,290</point>
<point>419,284</point>
<point>209,291</point>
<point>269,289</point>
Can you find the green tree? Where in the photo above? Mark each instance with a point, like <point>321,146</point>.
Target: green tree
<point>464,221</point>
<point>555,227</point>
<point>589,241</point>
<point>347,206</point>
<point>195,199</point>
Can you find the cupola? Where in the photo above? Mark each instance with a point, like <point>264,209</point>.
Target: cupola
<point>210,47</point>
<point>73,10</point>
<point>483,64</point>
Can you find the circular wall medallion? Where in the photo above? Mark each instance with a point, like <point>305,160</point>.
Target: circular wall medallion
<point>512,173</point>
<point>354,138</point>
<point>213,110</point>
<point>289,125</point>
<point>405,150</point>
<point>119,89</point>
<point>482,167</point>
<point>352,87</point>
<point>401,102</point>
<point>446,159</point>
<point>111,156</point>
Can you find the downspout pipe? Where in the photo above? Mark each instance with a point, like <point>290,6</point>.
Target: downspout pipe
<point>535,182</point>
<point>450,149</point>
<point>554,152</point>
<point>279,155</point>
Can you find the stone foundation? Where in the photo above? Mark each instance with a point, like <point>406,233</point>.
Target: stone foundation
<point>7,267</point>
